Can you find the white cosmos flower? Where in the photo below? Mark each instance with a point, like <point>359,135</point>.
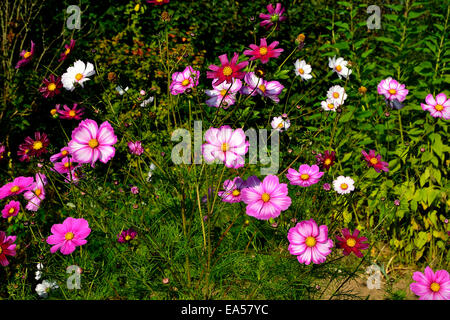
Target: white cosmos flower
<point>42,289</point>
<point>38,274</point>
<point>328,105</point>
<point>340,66</point>
<point>303,69</point>
<point>120,90</point>
<point>79,73</point>
<point>280,124</point>
<point>337,95</point>
<point>343,185</point>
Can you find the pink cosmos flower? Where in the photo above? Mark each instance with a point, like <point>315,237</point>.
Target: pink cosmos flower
<point>233,188</point>
<point>305,176</point>
<point>375,161</point>
<point>2,151</point>
<point>227,145</point>
<point>352,243</point>
<point>66,165</point>
<point>391,89</point>
<point>439,107</point>
<point>18,186</point>
<point>181,81</point>
<point>265,199</point>
<point>6,248</point>
<point>67,113</point>
<point>158,2</point>
<point>256,85</point>
<point>68,235</point>
<point>91,143</point>
<point>275,15</point>
<point>24,152</point>
<point>69,47</point>
<point>126,236</point>
<point>430,285</point>
<point>309,242</point>
<point>227,71</point>
<point>134,190</point>
<point>36,193</point>
<point>26,55</point>
<point>135,148</point>
<point>51,87</point>
<point>64,153</point>
<point>264,52</point>
<point>11,209</point>
<point>223,95</point>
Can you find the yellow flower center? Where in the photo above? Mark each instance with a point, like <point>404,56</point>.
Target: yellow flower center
<point>185,82</point>
<point>72,113</point>
<point>14,189</point>
<point>262,88</point>
<point>27,54</point>
<point>223,92</point>
<point>373,160</point>
<point>435,287</point>
<point>301,71</point>
<point>51,87</point>
<point>236,192</point>
<point>78,76</point>
<point>64,152</point>
<point>304,176</point>
<point>351,242</point>
<point>327,161</point>
<point>67,51</point>
<point>37,145</point>
<point>263,51</point>
<point>336,95</point>
<point>93,143</point>
<point>38,192</point>
<point>265,197</point>
<point>439,107</point>
<point>53,112</point>
<point>227,71</point>
<point>330,106</point>
<point>1,250</point>
<point>224,147</point>
<point>338,68</point>
<point>310,241</point>
<point>127,237</point>
<point>69,236</point>
<point>11,210</point>
<point>281,125</point>
<point>392,91</point>
<point>67,164</point>
<point>344,186</point>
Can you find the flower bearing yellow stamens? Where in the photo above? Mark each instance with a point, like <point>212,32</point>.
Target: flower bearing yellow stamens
<point>224,147</point>
<point>373,160</point>
<point>15,189</point>
<point>27,54</point>
<point>310,241</point>
<point>351,242</point>
<point>330,106</point>
<point>327,161</point>
<point>93,143</point>
<point>51,87</point>
<point>78,76</point>
<point>262,88</point>
<point>67,164</point>
<point>227,71</point>
<point>392,91</point>
<point>127,237</point>
<point>263,51</point>
<point>69,236</point>
<point>223,92</point>
<point>336,95</point>
<point>72,113</point>
<point>64,153</point>
<point>185,82</point>
<point>344,186</point>
<point>338,68</point>
<point>280,125</point>
<point>236,192</point>
<point>67,51</point>
<point>265,197</point>
<point>301,71</point>
<point>439,107</point>
<point>37,145</point>
<point>304,176</point>
<point>435,287</point>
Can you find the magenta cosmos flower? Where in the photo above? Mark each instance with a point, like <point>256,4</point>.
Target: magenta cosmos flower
<point>66,165</point>
<point>309,242</point>
<point>352,243</point>
<point>265,199</point>
<point>430,285</point>
<point>69,47</point>
<point>67,113</point>
<point>264,52</point>
<point>68,235</point>
<point>227,71</point>
<point>157,2</point>
<point>391,89</point>
<point>64,153</point>
<point>181,81</point>
<point>135,148</point>
<point>275,16</point>
<point>223,95</point>
<point>38,145</point>
<point>233,188</point>
<point>267,89</point>
<point>375,161</point>
<point>11,209</point>
<point>36,193</point>
<point>326,160</point>
<point>26,56</point>
<point>91,143</point>
<point>439,107</point>
<point>6,248</point>
<point>305,176</point>
<point>227,145</point>
<point>51,87</point>
<point>2,151</point>
<point>18,186</point>
<point>126,236</point>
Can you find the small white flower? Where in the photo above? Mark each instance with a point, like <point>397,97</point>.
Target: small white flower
<point>337,95</point>
<point>328,105</point>
<point>79,73</point>
<point>150,172</point>
<point>147,102</point>
<point>120,90</point>
<point>340,66</point>
<point>44,288</point>
<point>343,185</point>
<point>38,273</point>
<point>280,124</point>
<point>303,69</point>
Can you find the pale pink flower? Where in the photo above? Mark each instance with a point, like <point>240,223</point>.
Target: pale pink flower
<point>135,148</point>
<point>184,80</point>
<point>439,107</point>
<point>223,95</point>
<point>391,89</point>
<point>430,285</point>
<point>233,190</point>
<point>36,193</point>
<point>305,176</point>
<point>256,85</point>
<point>68,235</point>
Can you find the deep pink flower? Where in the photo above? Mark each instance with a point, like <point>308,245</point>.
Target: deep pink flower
<point>325,160</point>
<point>274,16</point>
<point>69,47</point>
<point>430,285</point>
<point>64,153</point>
<point>73,113</point>
<point>26,55</point>
<point>352,243</point>
<point>2,151</point>
<point>126,236</point>
<point>36,193</point>
<point>264,52</point>
<point>439,107</point>
<point>305,176</point>
<point>11,209</point>
<point>6,248</point>
<point>227,71</point>
<point>375,161</point>
<point>51,87</point>
<point>226,145</point>
<point>134,190</point>
<point>158,2</point>
<point>265,199</point>
<point>66,165</point>
<point>24,152</point>
<point>326,187</point>
<point>91,143</point>
<point>309,242</point>
<point>135,148</point>
<point>18,186</point>
<point>391,89</point>
<point>181,81</point>
<point>223,95</point>
<point>38,145</point>
<point>267,89</point>
<point>233,188</point>
<point>68,235</point>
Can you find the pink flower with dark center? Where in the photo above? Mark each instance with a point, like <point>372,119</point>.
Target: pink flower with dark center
<point>135,148</point>
<point>267,89</point>
<point>26,56</point>
<point>305,176</point>
<point>352,243</point>
<point>439,107</point>
<point>309,242</point>
<point>223,95</point>
<point>51,87</point>
<point>375,161</point>
<point>274,17</point>
<point>91,143</point>
<point>227,71</point>
<point>11,209</point>
<point>233,188</point>
<point>36,193</point>
<point>181,81</point>
<point>391,89</point>
<point>69,47</point>
<point>68,235</point>
<point>264,52</point>
<point>73,113</point>
<point>64,153</point>
<point>265,199</point>
<point>6,248</point>
<point>18,186</point>
<point>126,236</point>
<point>227,145</point>
<point>430,285</point>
